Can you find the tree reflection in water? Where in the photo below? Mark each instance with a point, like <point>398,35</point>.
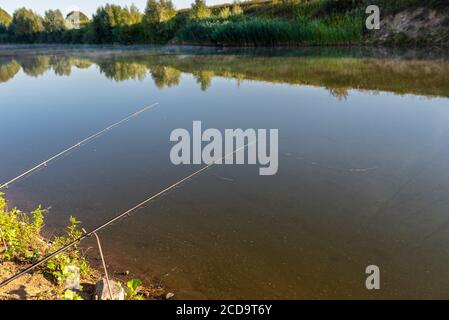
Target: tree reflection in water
<point>338,74</point>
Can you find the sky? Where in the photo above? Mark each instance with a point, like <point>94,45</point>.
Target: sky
<point>86,6</point>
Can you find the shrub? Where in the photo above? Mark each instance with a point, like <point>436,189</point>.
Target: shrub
<point>269,32</point>
<point>21,232</point>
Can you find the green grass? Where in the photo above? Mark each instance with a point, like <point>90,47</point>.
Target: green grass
<point>21,242</point>
<point>262,23</point>
<point>272,32</point>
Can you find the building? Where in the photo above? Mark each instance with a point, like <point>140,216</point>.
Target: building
<point>76,19</point>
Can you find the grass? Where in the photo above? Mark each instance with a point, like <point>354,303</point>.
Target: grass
<point>273,32</point>
<point>22,244</point>
<point>261,23</point>
<point>294,22</point>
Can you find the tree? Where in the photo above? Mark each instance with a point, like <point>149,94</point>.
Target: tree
<point>5,18</point>
<point>158,20</point>
<point>104,20</point>
<point>236,9</point>
<point>5,21</point>
<point>111,23</point>
<point>159,11</point>
<point>224,13</point>
<point>200,10</point>
<point>130,16</point>
<point>26,24</point>
<point>54,21</point>
<point>110,16</point>
<point>135,16</point>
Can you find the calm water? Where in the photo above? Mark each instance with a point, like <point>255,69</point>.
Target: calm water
<point>363,165</point>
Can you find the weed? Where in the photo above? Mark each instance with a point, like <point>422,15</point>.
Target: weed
<point>22,235</point>
<point>132,289</point>
<point>71,295</point>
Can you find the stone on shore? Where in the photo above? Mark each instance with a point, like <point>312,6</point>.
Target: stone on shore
<point>102,291</point>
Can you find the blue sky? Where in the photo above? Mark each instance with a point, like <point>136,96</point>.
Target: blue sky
<point>86,6</point>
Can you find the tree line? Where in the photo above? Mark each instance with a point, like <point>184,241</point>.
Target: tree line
<point>159,23</point>
<point>250,23</point>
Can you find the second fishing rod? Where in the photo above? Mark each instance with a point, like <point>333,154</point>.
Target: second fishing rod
<point>120,216</point>
<point>75,146</point>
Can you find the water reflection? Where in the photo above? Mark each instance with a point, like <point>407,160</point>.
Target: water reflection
<point>361,181</point>
<point>165,76</point>
<point>339,74</point>
<point>121,71</point>
<point>8,70</point>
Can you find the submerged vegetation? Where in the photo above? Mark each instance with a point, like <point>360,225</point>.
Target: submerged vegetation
<point>250,23</point>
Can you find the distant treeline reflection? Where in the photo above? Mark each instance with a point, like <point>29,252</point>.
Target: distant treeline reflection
<point>338,75</point>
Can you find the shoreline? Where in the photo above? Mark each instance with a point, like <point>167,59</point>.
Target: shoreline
<point>36,286</point>
<point>72,274</point>
<point>7,50</point>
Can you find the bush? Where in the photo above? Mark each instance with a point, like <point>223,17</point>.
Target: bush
<point>21,237</point>
<point>269,32</point>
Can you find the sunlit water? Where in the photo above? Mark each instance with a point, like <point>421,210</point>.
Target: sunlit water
<point>363,166</point>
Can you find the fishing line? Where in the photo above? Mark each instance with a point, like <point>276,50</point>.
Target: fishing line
<point>77,145</point>
<point>124,214</point>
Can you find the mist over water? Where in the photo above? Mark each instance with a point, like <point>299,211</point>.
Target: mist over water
<point>363,165</point>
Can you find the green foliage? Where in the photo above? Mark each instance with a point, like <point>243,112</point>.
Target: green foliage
<point>132,289</point>
<point>26,25</point>
<point>270,32</point>
<point>159,11</point>
<point>58,267</point>
<point>109,18</point>
<point>24,243</point>
<point>275,22</point>
<point>200,10</point>
<point>2,203</point>
<point>158,20</point>
<point>71,295</point>
<point>321,8</point>
<point>236,9</point>
<point>5,19</point>
<point>54,25</point>
<point>134,15</point>
<point>54,21</point>
<point>224,13</point>
<point>19,232</point>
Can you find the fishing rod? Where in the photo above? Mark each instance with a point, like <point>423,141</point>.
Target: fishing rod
<point>77,145</point>
<point>124,214</point>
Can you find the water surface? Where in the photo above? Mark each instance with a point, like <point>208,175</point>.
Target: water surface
<point>363,165</point>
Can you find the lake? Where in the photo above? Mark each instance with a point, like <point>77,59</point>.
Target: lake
<point>363,165</point>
